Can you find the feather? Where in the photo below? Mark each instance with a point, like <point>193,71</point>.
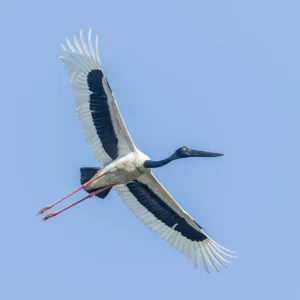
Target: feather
<point>217,254</point>
<point>77,44</point>
<point>91,45</point>
<point>85,48</point>
<point>217,243</point>
<point>219,250</point>
<point>70,46</point>
<point>201,257</point>
<point>97,51</point>
<point>210,261</point>
<point>215,258</point>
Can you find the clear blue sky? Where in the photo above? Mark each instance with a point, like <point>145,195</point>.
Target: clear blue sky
<point>213,75</point>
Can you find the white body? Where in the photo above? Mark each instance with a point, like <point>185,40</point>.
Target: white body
<point>121,171</point>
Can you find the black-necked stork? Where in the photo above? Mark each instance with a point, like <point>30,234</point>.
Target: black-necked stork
<point>125,167</point>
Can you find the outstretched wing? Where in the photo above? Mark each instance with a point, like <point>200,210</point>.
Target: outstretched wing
<point>150,202</point>
<point>96,106</point>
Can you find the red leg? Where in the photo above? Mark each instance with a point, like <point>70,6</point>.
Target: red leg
<point>60,200</point>
<point>85,198</point>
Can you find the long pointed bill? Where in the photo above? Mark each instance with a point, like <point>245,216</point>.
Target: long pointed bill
<point>83,199</point>
<point>41,211</point>
<point>197,153</point>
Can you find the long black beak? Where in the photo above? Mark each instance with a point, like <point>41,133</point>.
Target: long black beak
<point>197,153</point>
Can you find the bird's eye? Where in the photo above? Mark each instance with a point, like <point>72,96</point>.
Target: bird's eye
<point>184,149</point>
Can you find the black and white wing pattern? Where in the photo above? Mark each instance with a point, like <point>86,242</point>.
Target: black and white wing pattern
<point>156,208</point>
<point>102,124</point>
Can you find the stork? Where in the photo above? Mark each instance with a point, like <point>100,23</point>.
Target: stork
<point>125,167</point>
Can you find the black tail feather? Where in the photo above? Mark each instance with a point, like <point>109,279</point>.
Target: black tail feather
<point>86,174</point>
<point>101,195</point>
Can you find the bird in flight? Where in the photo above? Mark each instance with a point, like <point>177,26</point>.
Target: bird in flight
<point>125,167</point>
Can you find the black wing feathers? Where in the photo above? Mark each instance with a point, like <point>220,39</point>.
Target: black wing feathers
<point>163,212</point>
<point>101,115</point>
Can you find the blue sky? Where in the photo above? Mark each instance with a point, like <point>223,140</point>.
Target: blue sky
<point>213,75</point>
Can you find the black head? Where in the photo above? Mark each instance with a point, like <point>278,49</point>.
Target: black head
<point>184,152</point>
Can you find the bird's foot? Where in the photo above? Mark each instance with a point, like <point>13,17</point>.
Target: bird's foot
<point>51,215</point>
<point>41,211</point>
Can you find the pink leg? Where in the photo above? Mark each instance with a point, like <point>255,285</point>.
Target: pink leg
<point>60,200</point>
<point>85,198</point>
